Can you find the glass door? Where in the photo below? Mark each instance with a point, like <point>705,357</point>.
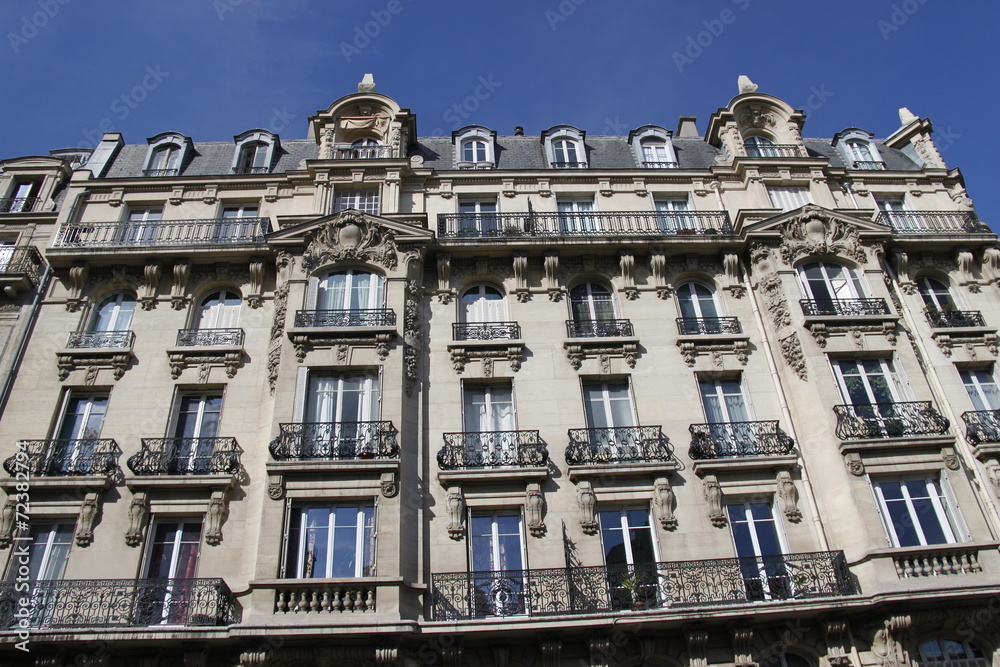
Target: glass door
<point>197,428</point>
<point>76,446</point>
<point>760,550</point>
<point>166,596</point>
<point>498,586</point>
<point>727,416</point>
<point>339,413</point>
<point>630,558</point>
<point>611,420</point>
<point>489,425</point>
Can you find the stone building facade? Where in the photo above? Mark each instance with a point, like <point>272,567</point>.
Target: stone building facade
<point>372,398</point>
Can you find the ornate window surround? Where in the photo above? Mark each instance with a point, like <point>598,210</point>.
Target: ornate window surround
<point>474,133</point>
<point>269,139</point>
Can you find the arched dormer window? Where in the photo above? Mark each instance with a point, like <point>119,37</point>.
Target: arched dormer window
<point>653,147</point>
<point>858,150</point>
<point>565,148</point>
<point>474,147</point>
<point>758,146</point>
<point>254,152</point>
<point>365,148</point>
<point>166,154</point>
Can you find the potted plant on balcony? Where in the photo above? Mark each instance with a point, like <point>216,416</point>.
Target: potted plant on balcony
<point>634,588</point>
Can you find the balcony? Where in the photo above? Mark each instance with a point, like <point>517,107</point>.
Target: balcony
<point>868,165</point>
<point>888,420</point>
<point>680,585</point>
<point>18,204</point>
<point>773,150</point>
<point>335,441</point>
<point>251,170</point>
<point>599,328</point>
<point>982,426</point>
<point>532,224</point>
<point>485,331</point>
<point>372,317</point>
<point>373,327</point>
<point>96,350</point>
<point>492,449</point>
<point>963,319</point>
<point>660,165</point>
<point>487,342</point>
<point>205,348</point>
<point>119,603</point>
<point>697,326</point>
<point>164,233</point>
<point>933,222</point>
<point>186,456</point>
<point>209,337</point>
<point>362,153</point>
<point>617,444</point>
<point>843,307</point>
<point>568,165</point>
<point>161,172</point>
<point>738,440</point>
<point>20,268</point>
<point>91,457</point>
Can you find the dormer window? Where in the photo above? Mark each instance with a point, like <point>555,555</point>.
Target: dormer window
<point>474,148</point>
<point>365,148</point>
<point>758,146</point>
<point>564,147</point>
<point>166,154</point>
<point>858,150</point>
<point>653,147</point>
<point>254,152</point>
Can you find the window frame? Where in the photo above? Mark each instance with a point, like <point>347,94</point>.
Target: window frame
<point>696,301</point>
<point>376,293</point>
<point>474,134</point>
<point>119,298</point>
<point>250,138</point>
<point>364,200</point>
<point>465,305</point>
<point>931,294</point>
<point>606,402</point>
<point>489,388</point>
<point>560,143</point>
<point>979,398</point>
<point>226,311</point>
<point>789,197</point>
<point>853,281</point>
<point>366,544</point>
<point>942,501</point>
<point>590,302</point>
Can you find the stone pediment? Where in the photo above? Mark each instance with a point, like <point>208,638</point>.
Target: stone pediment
<point>351,235</point>
<point>814,231</point>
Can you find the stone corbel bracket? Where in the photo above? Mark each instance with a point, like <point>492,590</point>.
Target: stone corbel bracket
<point>603,349</point>
<point>511,351</point>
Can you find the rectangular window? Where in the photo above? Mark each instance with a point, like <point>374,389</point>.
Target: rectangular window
<point>365,201</point>
<point>671,216</point>
<point>142,226</point>
<point>868,381</point>
<point>630,557</point>
<point>172,558</point>
<point>608,405</point>
<point>574,218</point>
<point>760,548</point>
<point>74,451</point>
<point>982,389</point>
<point>497,559</point>
<point>195,433</point>
<point>898,214</point>
<point>6,255</point>
<point>788,198</point>
<point>338,415</point>
<point>22,198</point>
<point>489,408</point>
<point>915,511</point>
<point>478,217</point>
<point>48,546</point>
<point>239,222</point>
<point>328,541</point>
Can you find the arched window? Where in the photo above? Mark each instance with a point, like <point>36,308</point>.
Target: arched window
<point>475,150</point>
<point>365,149</point>
<point>948,652</point>
<point>253,158</point>
<point>114,313</point>
<point>165,161</point>
<point>860,150</point>
<point>219,310</point>
<point>353,289</point>
<point>591,302</point>
<point>936,295</point>
<point>482,303</point>
<point>700,311</point>
<point>656,154</point>
<point>758,146</point>
<point>566,154</point>
<point>827,282</point>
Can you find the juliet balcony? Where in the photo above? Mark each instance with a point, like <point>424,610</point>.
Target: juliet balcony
<point>119,603</point>
<point>773,150</point>
<point>889,420</point>
<point>89,457</point>
<point>18,204</point>
<point>186,456</point>
<point>486,342</point>
<point>456,226</point>
<point>843,307</point>
<point>933,222</point>
<point>868,165</point>
<point>492,449</point>
<point>609,589</point>
<point>951,319</point>
<point>738,440</point>
<point>362,152</point>
<point>617,444</point>
<point>20,269</point>
<point>163,233</point>
<point>335,441</point>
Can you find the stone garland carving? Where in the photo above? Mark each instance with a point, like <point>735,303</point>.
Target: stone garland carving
<point>716,502</point>
<point>412,335</point>
<point>789,497</point>
<point>7,516</point>
<point>456,513</point>
<point>138,516</point>
<point>350,236</point>
<point>776,305</point>
<point>756,116</point>
<point>214,518</point>
<point>812,232</point>
<point>85,522</point>
<point>928,152</point>
<point>77,283</point>
<point>284,264</point>
<point>663,502</point>
<point>534,506</point>
<point>586,500</point>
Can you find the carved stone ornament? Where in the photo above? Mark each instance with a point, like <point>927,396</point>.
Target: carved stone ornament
<point>456,513</point>
<point>7,516</point>
<point>716,503</point>
<point>888,645</point>
<point>534,507</point>
<point>697,643</point>
<point>388,484</point>
<point>586,500</point>
<point>742,652</point>
<point>350,236</point>
<point>85,522</point>
<point>138,516</point>
<point>789,497</point>
<point>214,518</point>
<point>663,502</point>
<point>757,117</point>
<point>814,232</point>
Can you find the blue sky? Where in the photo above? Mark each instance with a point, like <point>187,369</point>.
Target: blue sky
<point>213,68</point>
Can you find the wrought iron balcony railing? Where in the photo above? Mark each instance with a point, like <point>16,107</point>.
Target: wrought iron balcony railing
<point>118,603</point>
<point>64,458</point>
<point>618,444</point>
<point>955,318</point>
<point>207,232</point>
<point>209,337</point>
<point>888,420</point>
<point>161,172</point>
<point>922,222</point>
<point>598,328</point>
<point>251,170</point>
<point>18,204</point>
<point>848,307</point>
<point>869,165</point>
<point>568,165</point>
<point>186,456</point>
<point>738,440</point>
<point>659,164</point>
<point>982,426</point>
<point>492,449</point>
<point>666,585</point>
<point>625,223</point>
<point>363,153</point>
<point>101,339</point>
<point>773,150</point>
<point>485,330</point>
<point>333,441</point>
<point>372,317</point>
<point>22,259</point>
<point>688,326</point>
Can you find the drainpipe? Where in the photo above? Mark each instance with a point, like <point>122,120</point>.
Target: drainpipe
<point>934,382</point>
<point>22,341</point>
<point>850,191</point>
<point>786,413</point>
